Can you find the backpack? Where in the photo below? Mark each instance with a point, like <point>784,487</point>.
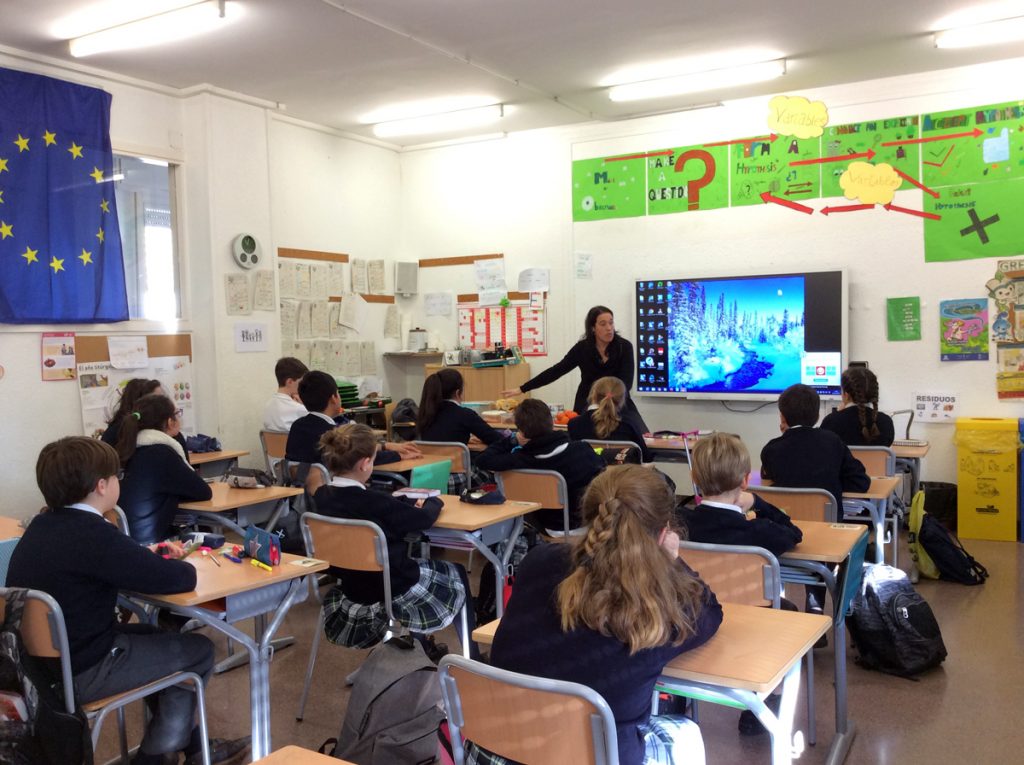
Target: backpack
<point>35,728</point>
<point>892,626</point>
<point>405,410</point>
<point>395,708</point>
<point>925,565</point>
<point>953,562</point>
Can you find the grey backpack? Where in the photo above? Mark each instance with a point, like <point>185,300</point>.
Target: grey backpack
<point>395,708</point>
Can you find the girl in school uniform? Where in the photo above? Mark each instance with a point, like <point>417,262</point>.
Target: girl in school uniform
<point>618,599</point>
<point>607,417</point>
<point>858,422</point>
<point>426,595</point>
<point>133,390</point>
<point>157,476</point>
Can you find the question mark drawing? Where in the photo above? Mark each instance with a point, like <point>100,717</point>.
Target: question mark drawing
<point>694,186</point>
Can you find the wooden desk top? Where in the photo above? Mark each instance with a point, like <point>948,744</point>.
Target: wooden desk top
<point>464,516</point>
<point>201,458</point>
<point>10,528</point>
<point>670,443</point>
<point>911,452</point>
<point>881,487</point>
<point>294,755</point>
<point>229,498</point>
<point>403,466</point>
<point>752,650</point>
<point>826,542</point>
<point>234,578</point>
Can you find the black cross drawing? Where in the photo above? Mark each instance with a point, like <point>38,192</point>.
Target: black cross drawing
<point>978,226</point>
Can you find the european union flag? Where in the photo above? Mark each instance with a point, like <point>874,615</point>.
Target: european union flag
<point>60,247</point>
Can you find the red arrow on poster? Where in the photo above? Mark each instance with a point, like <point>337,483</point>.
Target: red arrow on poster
<point>917,183</point>
<point>918,213</point>
<point>791,192</point>
<point>844,208</point>
<point>869,154</point>
<point>645,155</point>
<point>972,134</point>
<point>767,197</point>
<point>770,137</point>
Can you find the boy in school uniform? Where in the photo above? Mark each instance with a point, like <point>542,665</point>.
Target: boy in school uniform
<point>319,393</point>
<point>284,407</point>
<point>71,552</point>
<point>538,446</point>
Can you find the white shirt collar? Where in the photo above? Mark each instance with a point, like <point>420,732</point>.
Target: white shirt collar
<point>339,480</point>
<point>724,506</point>
<point>87,508</point>
<point>323,416</point>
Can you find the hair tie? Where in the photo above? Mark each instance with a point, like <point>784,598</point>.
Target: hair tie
<point>608,395</point>
<point>136,415</point>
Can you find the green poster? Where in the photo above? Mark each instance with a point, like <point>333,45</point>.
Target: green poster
<point>979,220</point>
<point>687,178</point>
<point>996,154</point>
<point>903,316</point>
<point>859,137</point>
<point>763,165</point>
<point>608,188</point>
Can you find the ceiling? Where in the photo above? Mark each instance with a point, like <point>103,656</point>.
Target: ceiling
<point>334,61</point>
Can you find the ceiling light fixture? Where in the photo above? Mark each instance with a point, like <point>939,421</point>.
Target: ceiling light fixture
<point>177,24</point>
<point>698,81</point>
<point>991,33</point>
<point>445,122</point>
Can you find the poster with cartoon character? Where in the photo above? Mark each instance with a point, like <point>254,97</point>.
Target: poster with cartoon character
<point>963,330</point>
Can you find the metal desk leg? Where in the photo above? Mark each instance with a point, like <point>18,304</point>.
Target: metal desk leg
<point>845,729</point>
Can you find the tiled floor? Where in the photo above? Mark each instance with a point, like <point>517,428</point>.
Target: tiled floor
<point>967,711</point>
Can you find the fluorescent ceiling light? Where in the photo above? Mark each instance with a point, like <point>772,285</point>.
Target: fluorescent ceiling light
<point>426,107</point>
<point>440,123</point>
<point>705,62</point>
<point>992,33</point>
<point>698,81</point>
<point>172,25</point>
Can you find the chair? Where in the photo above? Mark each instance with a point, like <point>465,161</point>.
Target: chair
<point>360,546</point>
<point>458,453</point>
<point>273,443</point>
<point>601,443</point>
<point>525,718</point>
<point>45,636</point>
<point>877,461</point>
<point>546,487</point>
<point>800,504</point>
<point>431,476</point>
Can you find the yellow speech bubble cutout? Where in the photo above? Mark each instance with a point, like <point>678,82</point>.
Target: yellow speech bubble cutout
<point>871,184</point>
<point>796,116</point>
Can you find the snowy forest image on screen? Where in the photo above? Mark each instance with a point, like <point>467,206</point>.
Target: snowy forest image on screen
<point>728,335</point>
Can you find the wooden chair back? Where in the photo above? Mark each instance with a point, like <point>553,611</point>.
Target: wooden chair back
<point>736,574</point>
<point>345,543</point>
<point>389,410</point>
<point>877,460</point>
<point>457,452</point>
<point>35,629</point>
<point>273,443</point>
<point>800,504</point>
<point>544,486</point>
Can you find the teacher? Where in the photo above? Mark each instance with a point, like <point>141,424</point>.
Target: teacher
<point>601,352</point>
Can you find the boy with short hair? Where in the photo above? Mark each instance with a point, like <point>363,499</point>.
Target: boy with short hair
<point>538,446</point>
<point>284,407</point>
<point>71,552</point>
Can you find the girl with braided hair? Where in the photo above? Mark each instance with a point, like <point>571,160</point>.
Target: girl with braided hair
<point>858,422</point>
<point>609,610</point>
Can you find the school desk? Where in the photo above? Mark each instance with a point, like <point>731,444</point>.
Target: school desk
<point>227,499</point>
<point>877,499</point>
<point>395,470</point>
<point>215,464</point>
<point>670,449</point>
<point>10,528</point>
<point>463,525</point>
<point>822,557</point>
<point>911,456</point>
<point>294,755</point>
<point>231,592</point>
<point>753,651</point>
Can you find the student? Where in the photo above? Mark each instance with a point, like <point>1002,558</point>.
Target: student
<point>858,421</point>
<point>427,595</point>
<point>157,476</point>
<point>319,394</point>
<point>607,417</point>
<point>284,407</point>
<point>441,414</point>
<point>72,553</point>
<point>133,390</point>
<point>609,610</point>
<point>537,446</point>
<point>808,457</point>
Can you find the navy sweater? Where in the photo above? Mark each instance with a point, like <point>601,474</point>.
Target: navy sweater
<point>83,562</point>
<point>303,444</point>
<point>156,481</point>
<point>457,423</point>
<point>811,458</point>
<point>845,423</point>
<point>771,529</point>
<point>631,428</point>
<point>530,640</point>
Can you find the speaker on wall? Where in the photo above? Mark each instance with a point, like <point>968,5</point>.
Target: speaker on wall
<point>406,278</point>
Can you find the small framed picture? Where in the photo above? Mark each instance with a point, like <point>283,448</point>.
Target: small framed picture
<point>451,358</point>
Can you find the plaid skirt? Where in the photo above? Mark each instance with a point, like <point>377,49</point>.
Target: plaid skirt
<point>428,606</point>
<point>667,741</point>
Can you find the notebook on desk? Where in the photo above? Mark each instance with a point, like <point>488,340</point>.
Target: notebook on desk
<point>909,442</point>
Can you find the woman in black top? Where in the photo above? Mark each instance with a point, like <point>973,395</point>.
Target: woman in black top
<point>858,422</point>
<point>601,352</point>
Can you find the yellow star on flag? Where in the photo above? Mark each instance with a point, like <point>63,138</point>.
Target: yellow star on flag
<point>105,205</point>
<point>30,255</point>
<point>3,165</point>
<point>50,138</point>
<point>1,196</point>
<point>100,235</point>
<point>97,174</point>
<point>6,229</point>
<point>56,265</point>
<point>22,143</point>
<point>76,151</point>
<point>85,257</point>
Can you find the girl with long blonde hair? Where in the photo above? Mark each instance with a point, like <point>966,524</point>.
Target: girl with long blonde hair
<point>608,417</point>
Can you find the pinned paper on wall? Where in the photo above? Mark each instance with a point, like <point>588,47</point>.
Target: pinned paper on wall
<point>303,321</point>
<point>438,303</point>
<point>303,282</point>
<point>535,280</point>
<point>297,349</point>
<point>319,277</point>
<point>936,406</point>
<point>368,357</point>
<point>128,352</point>
<point>236,288</point>
<point>289,317</point>
<point>490,274</point>
<point>492,297</point>
<point>392,323</point>
<point>1010,377</point>
<point>263,299</point>
<point>797,116</point>
<point>536,300</point>
<point>318,354</point>
<point>58,356</point>
<point>353,312</point>
<point>359,276</point>
<point>286,278</point>
<point>903,318</point>
<point>338,332</point>
<point>584,265</point>
<point>336,280</point>
<point>319,319</point>
<point>351,359</point>
<point>963,330</point>
<point>375,276</point>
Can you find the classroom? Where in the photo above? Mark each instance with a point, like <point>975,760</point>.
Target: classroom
<point>260,135</point>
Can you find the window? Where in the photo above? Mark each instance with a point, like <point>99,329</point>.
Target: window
<point>145,193</point>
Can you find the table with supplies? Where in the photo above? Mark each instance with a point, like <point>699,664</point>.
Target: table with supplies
<point>244,503</point>
<point>215,464</point>
<point>395,471</point>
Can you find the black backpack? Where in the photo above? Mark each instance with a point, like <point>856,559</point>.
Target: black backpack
<point>35,728</point>
<point>892,626</point>
<point>954,563</point>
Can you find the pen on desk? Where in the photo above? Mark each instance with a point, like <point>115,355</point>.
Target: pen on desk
<point>260,564</point>
<point>212,557</point>
<point>232,558</point>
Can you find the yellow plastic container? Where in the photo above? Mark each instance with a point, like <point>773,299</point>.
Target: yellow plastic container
<point>986,477</point>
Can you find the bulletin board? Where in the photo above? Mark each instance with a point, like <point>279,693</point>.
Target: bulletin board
<point>480,327</point>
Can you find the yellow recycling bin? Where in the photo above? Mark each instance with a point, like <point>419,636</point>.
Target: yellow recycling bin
<point>986,477</point>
